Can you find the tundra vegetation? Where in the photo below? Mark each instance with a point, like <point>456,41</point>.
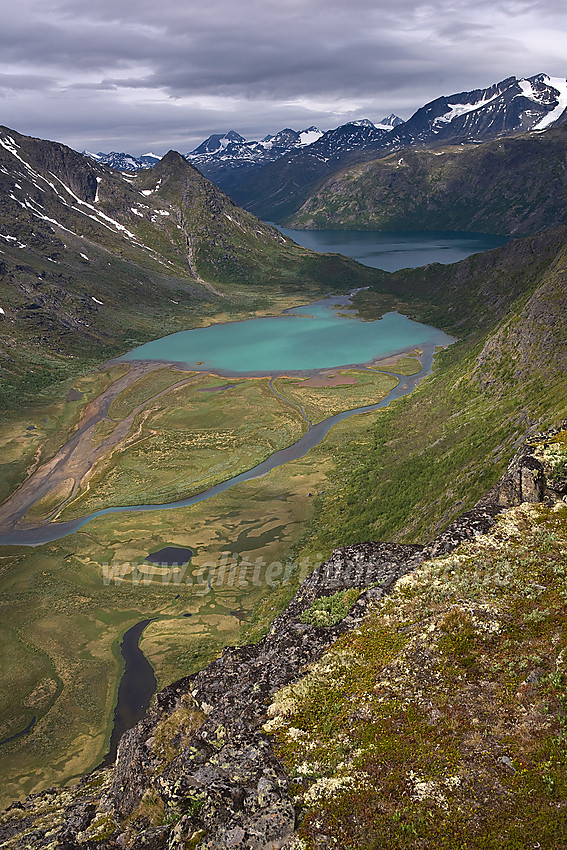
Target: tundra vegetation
<point>441,721</point>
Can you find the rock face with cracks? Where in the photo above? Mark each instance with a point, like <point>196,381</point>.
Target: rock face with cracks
<point>198,771</point>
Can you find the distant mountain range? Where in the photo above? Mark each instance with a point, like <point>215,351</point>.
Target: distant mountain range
<point>274,176</point>
<point>509,107</point>
<point>125,161</point>
<point>221,153</point>
<point>218,157</point>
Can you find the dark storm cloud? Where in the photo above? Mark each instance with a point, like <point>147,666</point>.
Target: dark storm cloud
<point>125,73</point>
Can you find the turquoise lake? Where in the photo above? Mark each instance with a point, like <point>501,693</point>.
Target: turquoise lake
<point>303,339</point>
<point>317,337</point>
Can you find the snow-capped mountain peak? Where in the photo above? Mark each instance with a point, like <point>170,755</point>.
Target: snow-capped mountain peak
<point>218,142</point>
<point>510,106</point>
<point>389,122</point>
<point>307,137</point>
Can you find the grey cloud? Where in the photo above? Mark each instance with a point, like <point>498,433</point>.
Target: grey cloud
<point>188,69</point>
<point>11,83</point>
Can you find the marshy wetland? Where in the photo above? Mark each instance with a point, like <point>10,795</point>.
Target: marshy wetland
<point>140,434</point>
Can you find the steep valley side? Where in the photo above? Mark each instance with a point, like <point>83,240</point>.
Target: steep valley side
<point>461,425</point>
<point>513,185</point>
<point>93,262</point>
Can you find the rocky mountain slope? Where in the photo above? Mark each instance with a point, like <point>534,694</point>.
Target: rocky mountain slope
<point>406,693</point>
<point>94,262</point>
<point>509,107</point>
<point>513,185</point>
<point>231,160</point>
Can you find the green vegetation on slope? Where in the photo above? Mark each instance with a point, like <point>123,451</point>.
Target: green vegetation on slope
<point>431,455</point>
<point>509,185</point>
<point>441,721</point>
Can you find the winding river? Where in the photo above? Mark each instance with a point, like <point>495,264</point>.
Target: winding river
<point>315,433</point>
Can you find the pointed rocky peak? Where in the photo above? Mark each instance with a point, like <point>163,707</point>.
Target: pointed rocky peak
<point>389,122</point>
<point>362,122</point>
<point>217,142</point>
<point>233,136</point>
<point>287,136</point>
<point>171,158</point>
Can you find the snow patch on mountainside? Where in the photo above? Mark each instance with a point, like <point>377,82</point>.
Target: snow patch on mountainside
<point>458,109</point>
<point>307,137</point>
<point>560,86</point>
<point>527,90</point>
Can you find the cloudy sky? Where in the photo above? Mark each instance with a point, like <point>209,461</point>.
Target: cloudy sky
<point>140,75</point>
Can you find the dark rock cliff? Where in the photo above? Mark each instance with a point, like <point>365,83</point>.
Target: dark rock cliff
<point>199,764</point>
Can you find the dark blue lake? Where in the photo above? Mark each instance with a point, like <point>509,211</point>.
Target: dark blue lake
<point>398,249</point>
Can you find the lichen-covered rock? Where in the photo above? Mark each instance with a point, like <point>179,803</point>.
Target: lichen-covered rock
<point>531,475</point>
<point>199,771</point>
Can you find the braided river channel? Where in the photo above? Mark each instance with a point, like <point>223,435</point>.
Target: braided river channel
<point>303,341</point>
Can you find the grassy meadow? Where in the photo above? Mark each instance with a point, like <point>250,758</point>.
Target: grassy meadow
<point>65,605</point>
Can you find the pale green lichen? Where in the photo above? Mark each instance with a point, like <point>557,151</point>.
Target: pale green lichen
<point>455,682</point>
<point>101,828</point>
<point>329,610</point>
<point>553,454</point>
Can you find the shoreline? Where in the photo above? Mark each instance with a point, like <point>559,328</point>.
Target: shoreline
<point>335,301</point>
<point>29,535</point>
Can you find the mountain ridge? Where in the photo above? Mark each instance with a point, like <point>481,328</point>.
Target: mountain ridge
<point>509,107</point>
<point>88,254</point>
<point>512,185</point>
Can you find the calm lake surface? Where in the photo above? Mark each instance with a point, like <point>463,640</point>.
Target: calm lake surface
<point>304,339</point>
<point>398,249</point>
<point>318,337</point>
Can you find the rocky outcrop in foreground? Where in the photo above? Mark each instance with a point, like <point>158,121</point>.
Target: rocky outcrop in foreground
<point>199,771</point>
